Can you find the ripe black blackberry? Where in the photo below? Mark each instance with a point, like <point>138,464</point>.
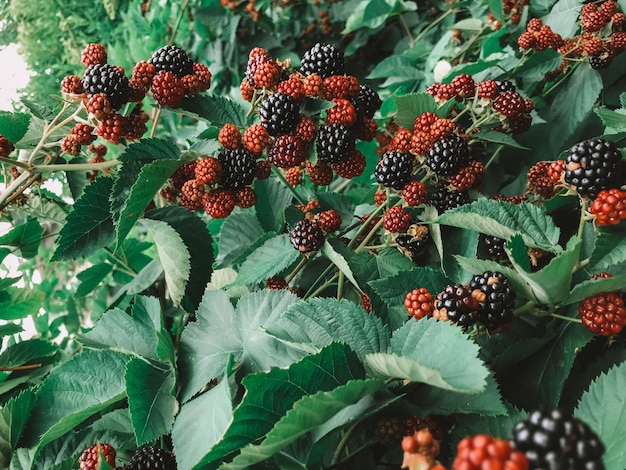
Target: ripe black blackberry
<point>238,168</point>
<point>556,441</point>
<point>494,247</point>
<point>306,236</point>
<point>173,59</point>
<point>601,60</point>
<point>153,458</point>
<point>334,144</point>
<point>445,198</point>
<point>496,299</point>
<point>107,79</point>
<point>414,243</point>
<point>505,85</point>
<point>592,165</point>
<point>279,114</point>
<point>324,60</point>
<point>394,170</point>
<point>456,304</point>
<point>368,101</point>
<point>448,155</point>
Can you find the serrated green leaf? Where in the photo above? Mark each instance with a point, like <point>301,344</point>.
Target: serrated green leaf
<point>272,200</point>
<point>90,225</point>
<point>307,413</point>
<point>392,290</point>
<point>457,242</point>
<point>13,417</point>
<point>142,281</point>
<point>200,424</point>
<point>412,105</point>
<point>600,408</point>
<point>275,255</point>
<point>563,16</point>
<point>498,138</point>
<point>594,286</point>
<point>500,426</point>
<point>259,410</point>
<point>217,110</point>
<point>35,131</point>
<point>609,250</point>
<point>198,242</point>
<point>323,321</point>
<point>150,400</point>
<point>10,329</point>
<point>538,64</point>
<point>26,352</point>
<point>391,261</point>
<point>26,237</point>
<point>504,219</point>
<point>373,14</point>
<point>14,125</point>
<point>174,256</point>
<point>329,252</point>
<point>433,352</point>
<point>74,391</point>
<point>17,303</point>
<point>239,232</point>
<point>91,278</point>
<point>611,118</point>
<point>497,9</point>
<point>203,356</point>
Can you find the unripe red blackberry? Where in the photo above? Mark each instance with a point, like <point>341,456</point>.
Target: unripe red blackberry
<point>208,170</point>
<point>84,133</point>
<point>286,151</point>
<point>486,452</point>
<point>365,128</point>
<point>172,59</point>
<point>396,220</point>
<point>167,88</point>
<point>442,128</point>
<point>419,303</point>
<point>93,54</point>
<point>219,202</point>
<point>72,85</point>
<point>238,168</point>
<point>6,147</point>
<point>229,136</point>
<point>424,121</point>
<point>555,440</point>
<point>468,177</point>
<point>456,304</point>
<point>496,299</point>
<point>203,74</point>
<point>342,113</point>
<point>143,72</point>
<point>441,91</point>
<point>70,145</point>
<point>256,138</point>
<point>464,85</point>
<point>90,458</point>
<point>263,169</point>
<point>324,60</point>
<point>352,167</point>
<point>153,458</point>
<point>111,128</point>
<point>415,193</point>
<point>526,40</point>
<point>183,173</point>
<point>591,166</point>
<point>246,90</point>
<point>329,220</point>
<point>401,141</point>
<point>340,86</point>
<point>305,130</point>
<point>293,176</point>
<point>380,196</point>
<point>262,71</point>
<point>279,114</point>
<point>109,80</point>
<point>245,197</point>
<point>394,170</point>
<point>135,124</point>
<point>313,85</point>
<point>334,143</point>
<point>488,89</point>
<point>447,156</point>
<point>389,430</point>
<point>422,142</point>
<point>193,190</point>
<point>609,207</point>
<point>603,313</point>
<point>99,105</point>
<point>306,236</point>
<point>292,87</point>
<point>509,104</point>
<point>320,174</point>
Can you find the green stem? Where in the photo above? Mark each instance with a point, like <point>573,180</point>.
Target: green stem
<point>563,317</point>
<point>340,283</point>
<point>561,80</point>
<point>10,161</point>
<point>179,18</point>
<point>280,176</point>
<point>407,30</point>
<point>365,226</point>
<point>369,236</point>
<point>494,156</point>
<point>438,20</point>
<point>297,269</point>
<point>343,443</point>
<point>74,167</point>
<point>319,279</point>
<point>323,287</point>
<point>583,218</point>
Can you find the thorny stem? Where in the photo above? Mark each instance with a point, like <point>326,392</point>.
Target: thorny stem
<point>10,161</point>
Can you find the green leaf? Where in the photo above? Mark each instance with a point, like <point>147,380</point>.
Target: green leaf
<point>145,278</point>
<point>595,286</point>
<point>14,125</point>
<point>75,391</point>
<point>307,413</point>
<point>26,237</point>
<point>609,250</point>
<point>538,64</point>
<point>272,200</point>
<point>373,14</point>
<point>412,105</point>
<point>504,219</point>
<point>500,426</point>
<point>600,408</point>
<point>496,8</point>
<point>329,252</point>
<point>198,242</point>
<point>13,417</point>
<point>275,255</point>
<point>204,356</point>
<point>89,226</point>
<point>259,410</point>
<point>498,138</point>
<point>10,329</point>
<point>150,400</point>
<point>36,129</point>
<point>573,104</point>
<point>16,303</point>
<point>174,256</point>
<point>146,166</point>
<point>323,321</point>
<point>91,278</point>
<point>457,242</point>
<point>433,352</point>
<point>28,351</point>
<point>239,232</point>
<point>200,424</point>
<point>610,118</point>
<point>392,290</point>
<point>217,110</point>
<point>563,17</point>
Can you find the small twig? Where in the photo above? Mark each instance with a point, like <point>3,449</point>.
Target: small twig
<point>16,368</point>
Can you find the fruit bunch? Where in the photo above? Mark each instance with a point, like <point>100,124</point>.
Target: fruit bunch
<point>309,234</point>
<point>603,313</point>
<point>601,38</point>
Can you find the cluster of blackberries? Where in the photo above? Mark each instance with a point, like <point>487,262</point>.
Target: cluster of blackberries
<point>601,37</point>
<point>169,75</point>
<point>329,135</point>
<point>309,234</point>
